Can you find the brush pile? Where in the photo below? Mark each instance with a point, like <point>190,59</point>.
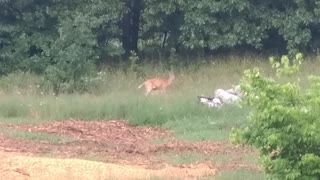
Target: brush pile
<point>222,97</point>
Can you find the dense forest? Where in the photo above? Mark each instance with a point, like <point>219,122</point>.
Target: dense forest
<point>48,36</point>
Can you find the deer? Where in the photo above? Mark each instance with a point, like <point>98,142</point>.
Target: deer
<point>157,84</point>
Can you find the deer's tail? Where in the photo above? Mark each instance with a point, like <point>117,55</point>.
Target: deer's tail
<point>141,85</point>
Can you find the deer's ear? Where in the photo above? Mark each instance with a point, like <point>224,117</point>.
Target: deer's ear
<point>171,74</point>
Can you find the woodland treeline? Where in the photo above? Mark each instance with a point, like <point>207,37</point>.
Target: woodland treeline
<point>50,36</point>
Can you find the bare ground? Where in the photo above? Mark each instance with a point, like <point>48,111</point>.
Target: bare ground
<point>123,152</point>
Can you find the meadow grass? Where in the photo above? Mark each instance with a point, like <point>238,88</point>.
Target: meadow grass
<point>180,158</point>
<point>239,174</point>
<point>114,94</point>
<point>117,96</point>
<point>183,115</point>
<point>189,157</point>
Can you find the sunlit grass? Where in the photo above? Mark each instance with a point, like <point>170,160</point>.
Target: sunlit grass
<point>239,174</point>
<point>179,158</point>
<point>210,124</point>
<point>189,157</point>
<point>114,94</point>
<point>183,115</point>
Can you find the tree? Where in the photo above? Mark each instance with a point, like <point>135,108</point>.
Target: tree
<point>161,23</point>
<point>131,25</point>
<point>30,28</point>
<point>214,24</point>
<point>292,20</point>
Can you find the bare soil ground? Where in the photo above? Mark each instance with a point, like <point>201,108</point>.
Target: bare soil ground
<point>107,150</point>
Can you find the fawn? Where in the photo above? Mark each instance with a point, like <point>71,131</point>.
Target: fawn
<point>157,84</point>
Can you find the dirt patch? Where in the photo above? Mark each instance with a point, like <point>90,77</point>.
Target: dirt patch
<point>127,147</point>
<point>21,167</point>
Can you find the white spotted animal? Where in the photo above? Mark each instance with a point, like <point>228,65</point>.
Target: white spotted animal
<point>226,97</point>
<point>236,90</point>
<point>210,101</point>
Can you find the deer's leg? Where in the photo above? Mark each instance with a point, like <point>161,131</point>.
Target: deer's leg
<point>147,93</point>
<point>148,90</point>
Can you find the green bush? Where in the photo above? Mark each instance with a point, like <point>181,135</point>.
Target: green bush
<point>72,56</point>
<point>284,122</point>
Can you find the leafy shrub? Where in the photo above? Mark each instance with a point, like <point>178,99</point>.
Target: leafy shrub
<point>72,56</point>
<point>284,122</point>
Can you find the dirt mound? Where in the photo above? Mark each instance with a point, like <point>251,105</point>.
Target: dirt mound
<point>109,142</point>
<point>97,130</point>
<point>113,137</point>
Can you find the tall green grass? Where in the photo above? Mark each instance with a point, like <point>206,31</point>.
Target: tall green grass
<point>114,94</point>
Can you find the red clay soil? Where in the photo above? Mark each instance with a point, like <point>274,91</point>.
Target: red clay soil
<point>118,143</point>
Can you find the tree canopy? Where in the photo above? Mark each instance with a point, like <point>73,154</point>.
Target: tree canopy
<point>37,35</point>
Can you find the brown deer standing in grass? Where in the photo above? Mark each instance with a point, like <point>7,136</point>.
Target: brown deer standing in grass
<point>157,84</point>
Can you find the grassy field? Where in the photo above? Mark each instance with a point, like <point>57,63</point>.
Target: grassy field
<point>115,96</point>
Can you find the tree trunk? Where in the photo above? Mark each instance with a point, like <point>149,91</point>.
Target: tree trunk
<point>165,34</point>
<point>130,26</point>
<point>206,48</point>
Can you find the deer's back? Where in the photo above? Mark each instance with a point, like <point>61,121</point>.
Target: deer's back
<point>157,83</point>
